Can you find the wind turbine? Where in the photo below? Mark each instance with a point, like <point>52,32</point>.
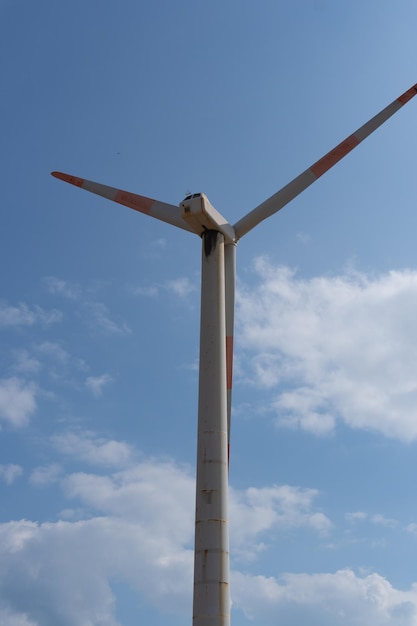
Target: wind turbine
<point>211,599</point>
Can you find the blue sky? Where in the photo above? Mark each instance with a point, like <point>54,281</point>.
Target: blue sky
<point>99,310</point>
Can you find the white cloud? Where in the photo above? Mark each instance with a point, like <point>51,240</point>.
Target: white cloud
<point>45,475</point>
<point>356,516</point>
<point>411,528</point>
<point>331,599</point>
<point>257,510</point>
<point>17,401</point>
<point>25,363</point>
<point>11,618</point>
<point>382,520</point>
<point>61,287</point>
<point>95,384</point>
<point>159,495</point>
<point>56,573</point>
<point>59,363</point>
<point>159,243</point>
<point>61,573</point>
<point>303,237</point>
<point>141,532</point>
<point>10,472</point>
<point>377,518</point>
<point>181,287</point>
<point>23,315</point>
<point>150,291</point>
<point>52,350</point>
<point>143,487</point>
<point>345,348</point>
<point>101,319</point>
<point>97,312</point>
<point>93,450</point>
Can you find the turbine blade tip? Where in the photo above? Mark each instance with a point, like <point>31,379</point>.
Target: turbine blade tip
<point>67,178</point>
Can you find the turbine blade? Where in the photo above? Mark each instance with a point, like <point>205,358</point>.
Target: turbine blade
<point>160,210</point>
<point>309,176</point>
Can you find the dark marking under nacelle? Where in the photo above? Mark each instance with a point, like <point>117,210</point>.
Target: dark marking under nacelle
<point>210,239</point>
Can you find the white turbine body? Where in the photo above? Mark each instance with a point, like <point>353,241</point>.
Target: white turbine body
<point>211,599</point>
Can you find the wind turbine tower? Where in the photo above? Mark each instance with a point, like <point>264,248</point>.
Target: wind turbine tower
<point>211,599</point>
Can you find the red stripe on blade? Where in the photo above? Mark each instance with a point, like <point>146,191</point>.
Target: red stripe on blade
<point>132,200</point>
<point>410,93</point>
<point>332,157</point>
<point>74,180</point>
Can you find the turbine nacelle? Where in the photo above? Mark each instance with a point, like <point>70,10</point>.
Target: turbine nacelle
<point>200,215</point>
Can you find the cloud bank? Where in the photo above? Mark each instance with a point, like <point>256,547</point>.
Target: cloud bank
<point>133,525</point>
<point>334,348</point>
